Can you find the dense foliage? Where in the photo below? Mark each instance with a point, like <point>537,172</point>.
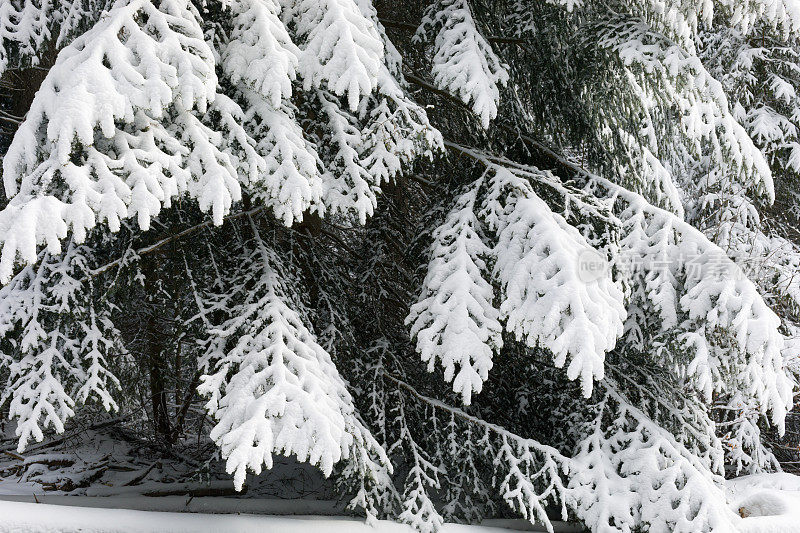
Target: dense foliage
<point>466,257</point>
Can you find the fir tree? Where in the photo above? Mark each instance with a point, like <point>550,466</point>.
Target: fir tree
<point>469,258</point>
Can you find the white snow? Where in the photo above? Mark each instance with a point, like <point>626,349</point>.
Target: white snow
<point>20,517</point>
<point>454,322</point>
<point>284,394</point>
<point>464,63</point>
<point>770,503</point>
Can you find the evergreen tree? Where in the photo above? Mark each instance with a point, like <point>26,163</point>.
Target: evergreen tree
<point>469,258</point>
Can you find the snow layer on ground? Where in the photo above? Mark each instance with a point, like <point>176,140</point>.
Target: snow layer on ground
<point>769,503</point>
<point>182,504</point>
<point>17,517</point>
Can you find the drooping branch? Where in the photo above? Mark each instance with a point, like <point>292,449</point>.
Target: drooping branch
<point>458,413</point>
<point>149,249</point>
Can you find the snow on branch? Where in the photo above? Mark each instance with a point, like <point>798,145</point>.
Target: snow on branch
<point>779,14</point>
<point>679,78</point>
<point>454,320</point>
<point>464,63</point>
<point>28,28</point>
<point>714,296</point>
<point>260,52</point>
<point>272,388</point>
<point>127,119</point>
<point>623,466</point>
<point>349,187</point>
<point>292,181</point>
<point>59,359</point>
<point>743,442</point>
<point>627,465</point>
<point>24,24</point>
<point>529,474</point>
<point>341,49</point>
<point>715,293</point>
<point>544,300</point>
<point>418,510</point>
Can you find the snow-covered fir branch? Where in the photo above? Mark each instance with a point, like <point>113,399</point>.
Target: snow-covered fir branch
<point>468,259</point>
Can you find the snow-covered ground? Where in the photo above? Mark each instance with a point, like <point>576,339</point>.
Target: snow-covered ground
<point>49,489</point>
<point>770,503</point>
<point>89,514</point>
<point>76,486</point>
<point>31,517</point>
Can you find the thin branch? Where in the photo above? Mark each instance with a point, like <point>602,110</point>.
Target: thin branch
<point>455,411</point>
<point>397,24</point>
<point>8,117</point>
<point>413,29</point>
<point>423,84</point>
<point>541,148</point>
<point>167,240</point>
<point>490,160</point>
